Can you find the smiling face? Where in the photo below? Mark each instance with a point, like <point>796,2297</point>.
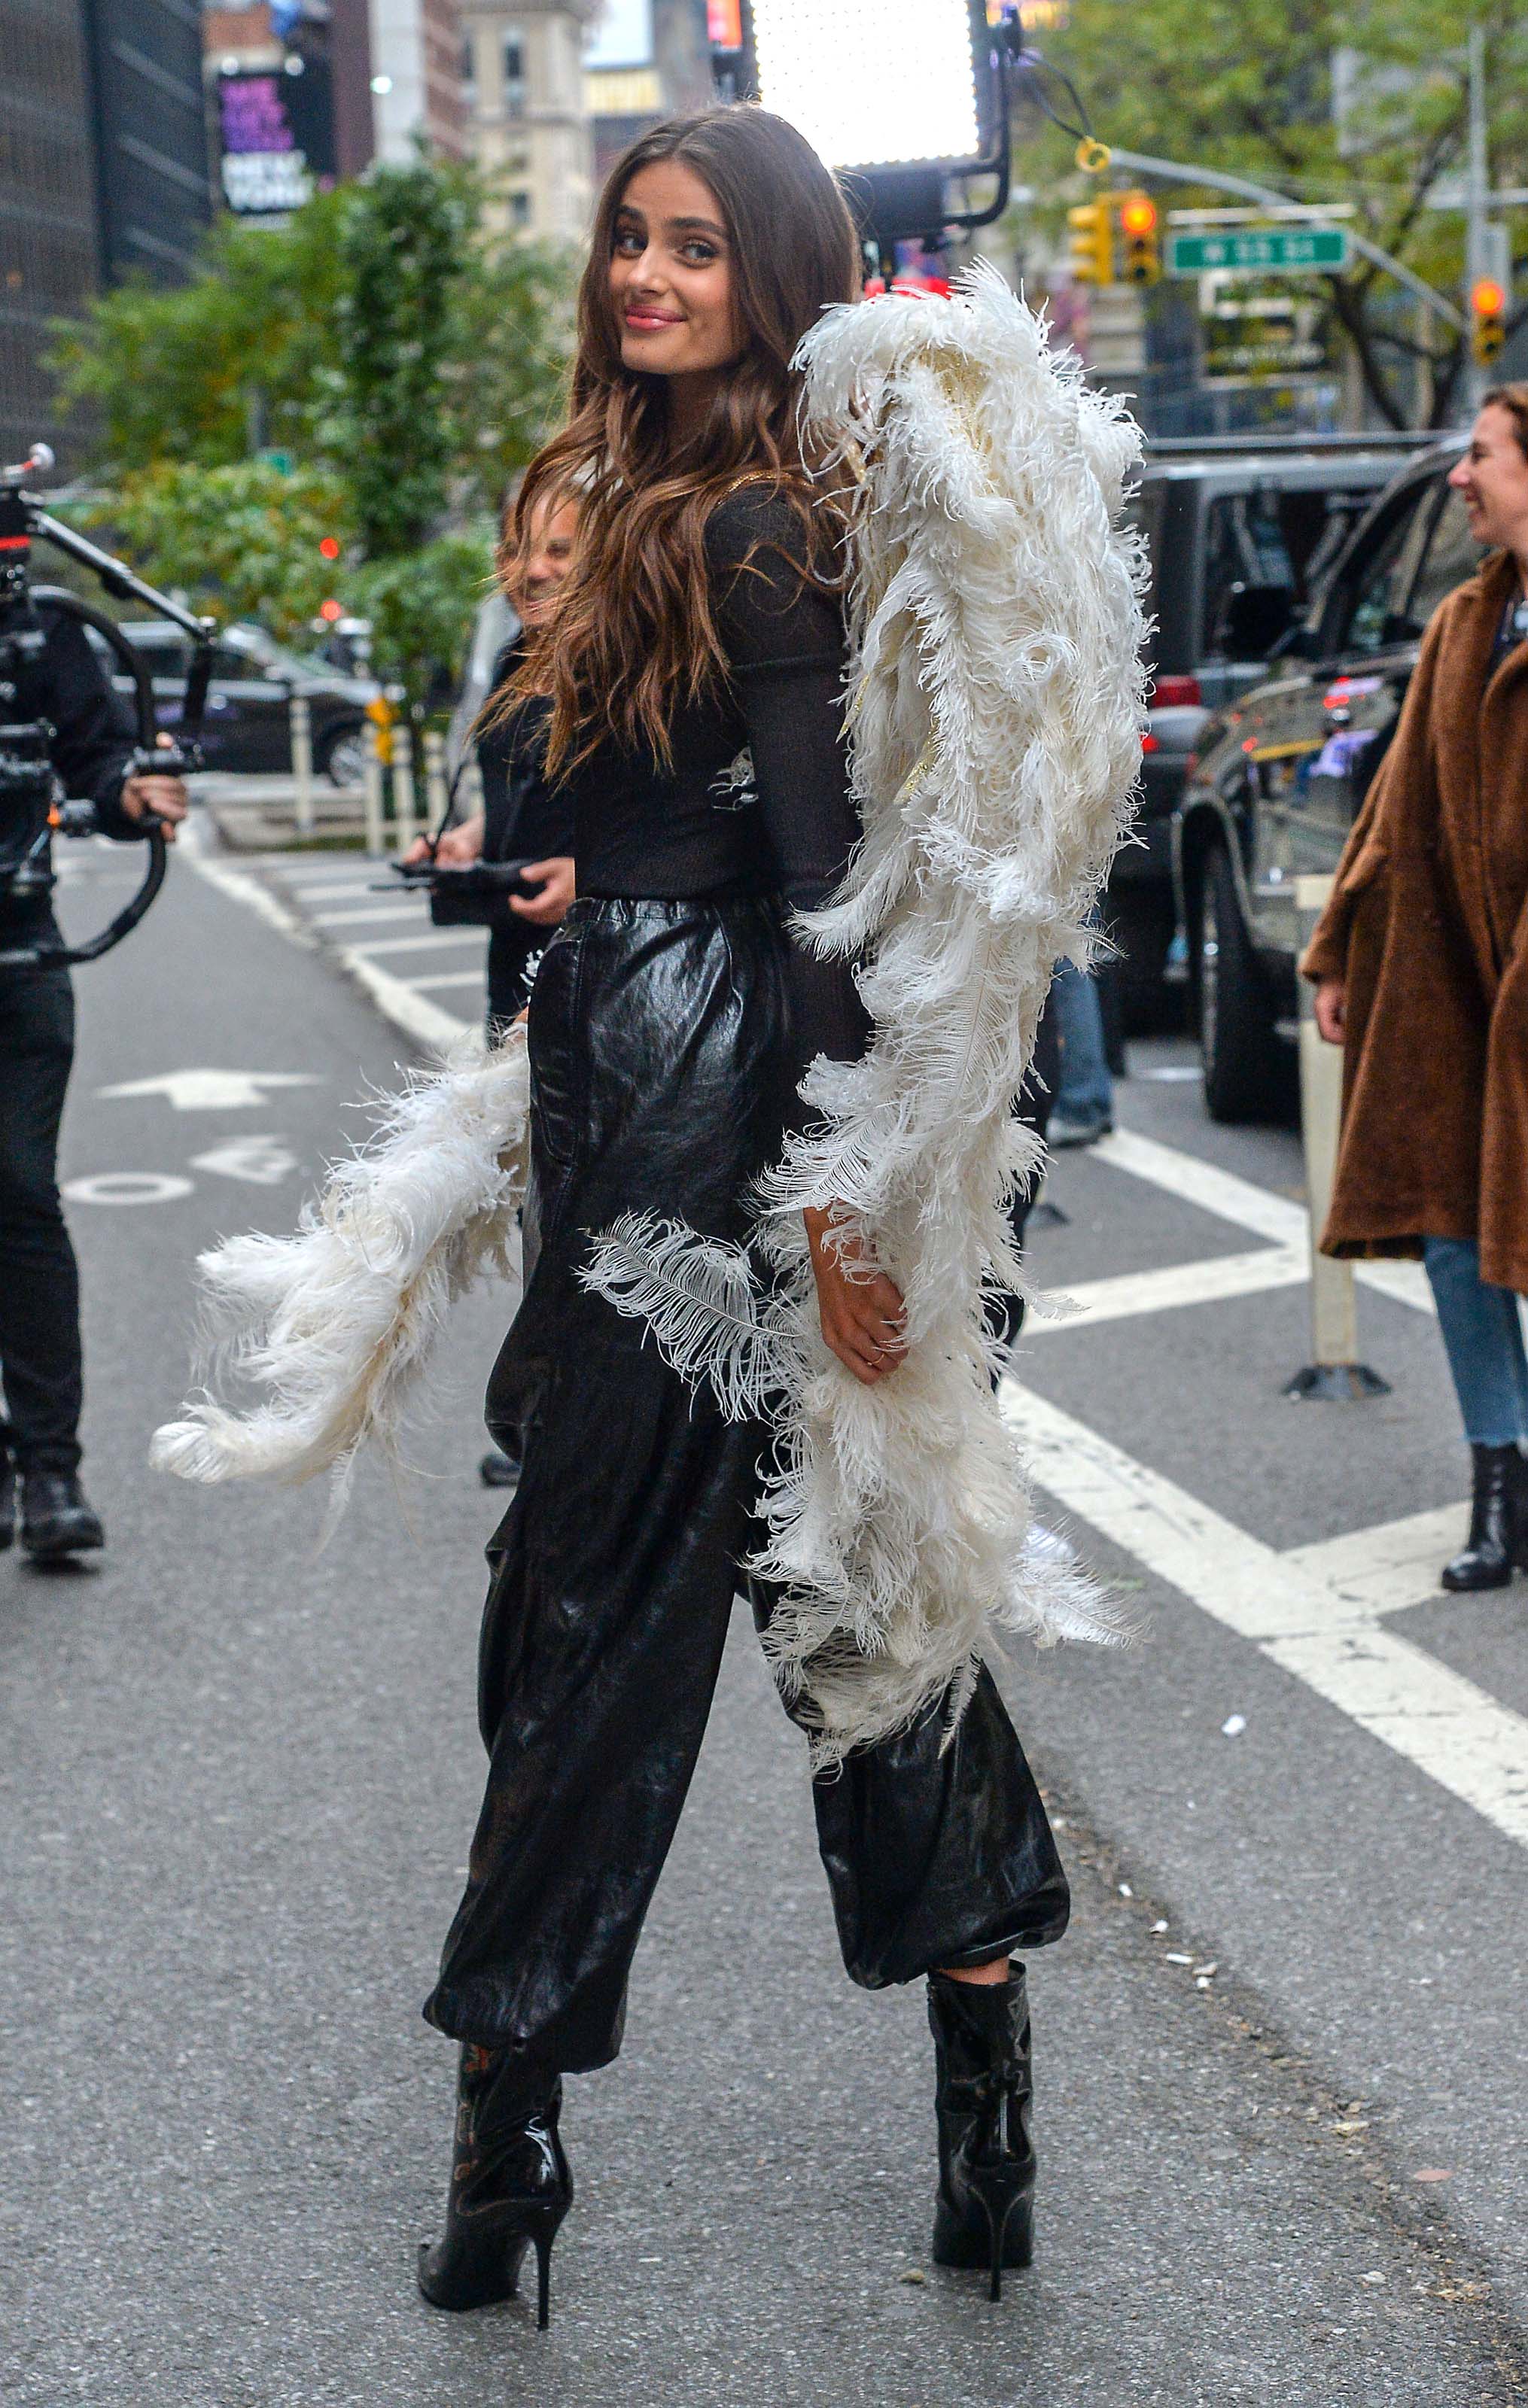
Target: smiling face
<point>671,276</point>
<point>547,561</point>
<point>1492,477</point>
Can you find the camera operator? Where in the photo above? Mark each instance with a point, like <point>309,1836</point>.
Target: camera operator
<point>60,681</point>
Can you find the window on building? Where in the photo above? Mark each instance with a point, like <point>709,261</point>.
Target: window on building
<point>469,63</point>
<point>514,73</point>
<point>520,208</point>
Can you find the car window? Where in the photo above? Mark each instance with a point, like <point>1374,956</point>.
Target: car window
<point>164,649</point>
<point>1386,578</point>
<point>1451,554</point>
<point>229,662</point>
<point>1265,554</point>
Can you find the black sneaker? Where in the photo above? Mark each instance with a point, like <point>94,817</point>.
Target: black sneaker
<point>7,1502</point>
<point>56,1516</point>
<point>499,1471</point>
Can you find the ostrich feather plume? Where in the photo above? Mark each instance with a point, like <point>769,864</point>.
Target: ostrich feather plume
<point>996,701</point>
<point>338,1323</point>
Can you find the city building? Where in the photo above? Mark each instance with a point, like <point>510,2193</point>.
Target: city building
<point>104,172</point>
<point>415,51</point>
<point>649,59</point>
<point>526,119</point>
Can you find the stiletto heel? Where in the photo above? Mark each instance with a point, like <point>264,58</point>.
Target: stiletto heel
<point>983,2215</point>
<point>510,2186</point>
<point>544,2236</point>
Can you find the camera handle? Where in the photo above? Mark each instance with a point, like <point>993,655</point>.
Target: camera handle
<point>150,758</point>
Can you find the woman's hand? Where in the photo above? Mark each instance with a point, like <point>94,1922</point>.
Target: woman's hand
<point>555,881</point>
<point>1331,1009</point>
<point>862,1319</point>
<point>456,847</point>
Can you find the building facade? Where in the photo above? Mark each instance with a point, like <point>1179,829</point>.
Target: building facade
<point>527,125</point>
<point>104,172</point>
<point>416,77</point>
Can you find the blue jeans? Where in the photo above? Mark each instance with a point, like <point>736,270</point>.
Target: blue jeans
<point>1483,1336</point>
<point>1087,1090</point>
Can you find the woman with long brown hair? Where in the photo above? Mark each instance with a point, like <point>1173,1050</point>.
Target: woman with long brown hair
<point>694,662</point>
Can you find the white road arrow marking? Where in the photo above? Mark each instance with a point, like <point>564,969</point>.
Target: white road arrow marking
<point>262,1160</point>
<point>213,1091</point>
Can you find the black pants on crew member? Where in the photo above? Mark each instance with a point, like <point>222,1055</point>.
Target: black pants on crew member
<point>660,1062</point>
<point>39,1283</point>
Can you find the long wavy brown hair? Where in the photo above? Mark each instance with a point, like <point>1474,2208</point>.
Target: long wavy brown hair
<point>633,637</point>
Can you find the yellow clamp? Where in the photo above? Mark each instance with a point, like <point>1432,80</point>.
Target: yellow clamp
<point>1093,156</point>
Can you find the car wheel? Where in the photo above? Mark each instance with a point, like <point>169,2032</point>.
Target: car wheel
<point>1247,1077</point>
<point>343,756</point>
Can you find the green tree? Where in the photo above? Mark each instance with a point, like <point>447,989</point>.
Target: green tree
<point>407,360</point>
<point>1366,106</point>
<point>241,539</point>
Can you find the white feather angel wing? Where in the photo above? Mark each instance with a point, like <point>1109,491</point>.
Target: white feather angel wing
<point>995,716</point>
<point>338,1323</point>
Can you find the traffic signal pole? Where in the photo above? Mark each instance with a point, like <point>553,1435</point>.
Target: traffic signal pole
<point>1476,232</point>
<point>1178,171</point>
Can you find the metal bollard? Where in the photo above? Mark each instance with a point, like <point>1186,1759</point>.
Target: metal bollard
<point>376,838</point>
<point>405,821</point>
<point>437,793</point>
<point>469,788</point>
<point>1334,1371</point>
<point>302,763</point>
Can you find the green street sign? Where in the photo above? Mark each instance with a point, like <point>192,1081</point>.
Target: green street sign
<point>1284,250</point>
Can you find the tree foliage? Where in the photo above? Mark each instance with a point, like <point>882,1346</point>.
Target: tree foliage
<point>399,360</point>
<point>1249,86</point>
<point>241,539</point>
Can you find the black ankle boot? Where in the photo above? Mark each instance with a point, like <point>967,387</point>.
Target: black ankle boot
<point>985,2213</point>
<point>510,2187</point>
<point>57,1517</point>
<point>1498,1521</point>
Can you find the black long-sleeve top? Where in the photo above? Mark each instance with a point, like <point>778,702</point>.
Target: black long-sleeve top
<point>525,817</point>
<point>757,800</point>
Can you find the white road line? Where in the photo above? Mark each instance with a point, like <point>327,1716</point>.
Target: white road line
<point>428,1024</point>
<point>1391,1567</point>
<point>1250,1207</point>
<point>451,977</point>
<point>411,908</point>
<point>241,888</point>
<point>418,944</point>
<point>1451,1730</point>
<point>337,889</point>
<point>1206,1281</point>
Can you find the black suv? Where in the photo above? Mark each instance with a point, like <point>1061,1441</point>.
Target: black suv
<point>1241,531</point>
<point>249,717</point>
<point>1279,776</point>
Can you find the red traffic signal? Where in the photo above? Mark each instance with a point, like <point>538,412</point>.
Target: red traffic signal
<point>1137,216</point>
<point>329,546</point>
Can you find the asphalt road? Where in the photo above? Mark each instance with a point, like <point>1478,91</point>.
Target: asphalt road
<point>238,1776</point>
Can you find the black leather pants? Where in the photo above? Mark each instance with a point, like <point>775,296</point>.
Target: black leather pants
<point>660,1071</point>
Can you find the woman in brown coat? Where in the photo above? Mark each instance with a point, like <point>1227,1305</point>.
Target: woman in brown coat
<point>1421,968</point>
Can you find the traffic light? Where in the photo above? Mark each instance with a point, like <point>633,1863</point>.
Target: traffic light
<point>1091,258</point>
<point>1488,306</point>
<point>1138,227</point>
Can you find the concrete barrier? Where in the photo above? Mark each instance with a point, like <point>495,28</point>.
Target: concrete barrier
<point>1334,1371</point>
<point>405,817</point>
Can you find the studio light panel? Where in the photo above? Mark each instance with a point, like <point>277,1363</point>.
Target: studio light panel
<point>871,82</point>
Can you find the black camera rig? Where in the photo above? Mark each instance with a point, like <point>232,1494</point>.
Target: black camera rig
<point>34,806</point>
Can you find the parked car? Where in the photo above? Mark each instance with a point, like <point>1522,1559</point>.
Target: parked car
<point>249,719</point>
<point>1280,773</point>
<point>1241,532</point>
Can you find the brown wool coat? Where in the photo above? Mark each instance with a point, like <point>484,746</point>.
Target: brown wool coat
<point>1428,926</point>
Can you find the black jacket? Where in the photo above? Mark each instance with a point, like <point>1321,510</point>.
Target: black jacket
<point>66,685</point>
<point>524,819</point>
